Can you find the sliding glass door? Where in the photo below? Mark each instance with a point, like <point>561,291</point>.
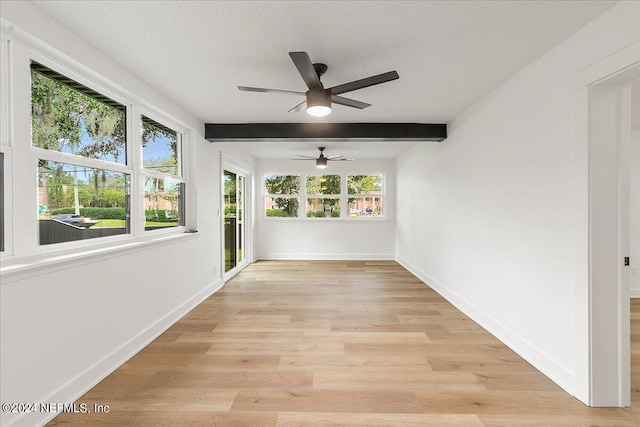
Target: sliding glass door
<point>234,222</point>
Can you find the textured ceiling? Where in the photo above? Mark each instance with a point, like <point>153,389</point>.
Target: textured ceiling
<point>448,54</point>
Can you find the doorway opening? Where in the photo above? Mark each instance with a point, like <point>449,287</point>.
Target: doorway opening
<point>610,165</point>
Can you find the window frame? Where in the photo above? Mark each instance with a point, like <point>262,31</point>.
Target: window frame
<point>22,242</point>
<point>337,196</point>
<point>344,197</point>
<point>147,173</point>
<point>6,138</point>
<point>37,153</point>
<point>381,196</point>
<point>296,196</point>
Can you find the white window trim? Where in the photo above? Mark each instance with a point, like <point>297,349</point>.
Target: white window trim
<point>22,248</point>
<point>298,196</point>
<point>6,138</point>
<point>308,196</point>
<point>146,173</point>
<point>344,197</point>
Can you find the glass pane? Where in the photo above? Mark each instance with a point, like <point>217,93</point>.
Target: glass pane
<point>162,203</point>
<point>160,147</point>
<point>78,202</point>
<point>64,117</point>
<point>281,207</point>
<point>323,184</point>
<point>240,221</point>
<point>364,184</point>
<point>230,220</point>
<point>233,220</point>
<point>365,207</point>
<point>323,208</point>
<point>282,184</point>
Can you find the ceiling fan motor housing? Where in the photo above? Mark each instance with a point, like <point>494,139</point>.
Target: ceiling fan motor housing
<point>319,98</point>
<point>321,162</point>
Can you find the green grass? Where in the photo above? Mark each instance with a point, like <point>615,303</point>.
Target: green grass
<point>120,223</point>
<point>110,223</point>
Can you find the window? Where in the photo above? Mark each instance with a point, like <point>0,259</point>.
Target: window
<point>323,196</point>
<point>84,164</point>
<point>91,183</point>
<point>71,118</point>
<point>77,203</point>
<point>365,196</point>
<point>84,196</point>
<point>163,186</point>
<point>5,142</point>
<point>282,195</point>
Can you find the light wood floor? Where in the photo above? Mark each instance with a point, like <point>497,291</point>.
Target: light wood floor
<point>336,344</point>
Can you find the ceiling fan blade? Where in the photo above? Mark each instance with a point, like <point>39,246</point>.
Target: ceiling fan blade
<point>299,107</point>
<point>362,83</point>
<point>340,160</point>
<point>305,157</point>
<point>305,68</point>
<point>349,102</point>
<point>260,89</point>
<point>334,157</point>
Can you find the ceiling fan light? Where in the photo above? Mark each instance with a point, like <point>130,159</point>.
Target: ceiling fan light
<point>321,163</point>
<point>318,102</point>
<point>318,110</point>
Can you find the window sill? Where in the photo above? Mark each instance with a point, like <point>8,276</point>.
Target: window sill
<point>17,269</point>
<point>351,220</point>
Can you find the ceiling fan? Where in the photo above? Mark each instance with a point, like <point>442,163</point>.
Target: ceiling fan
<point>318,99</point>
<point>321,161</point>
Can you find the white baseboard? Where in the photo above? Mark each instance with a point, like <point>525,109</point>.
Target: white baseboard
<point>86,380</point>
<point>634,293</point>
<point>326,257</point>
<point>537,358</point>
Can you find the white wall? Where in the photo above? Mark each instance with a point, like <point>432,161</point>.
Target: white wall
<point>326,239</point>
<point>66,326</point>
<point>487,217</point>
<point>635,191</point>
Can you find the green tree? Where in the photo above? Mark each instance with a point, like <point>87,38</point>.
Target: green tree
<point>110,198</point>
<point>284,184</point>
<point>364,184</point>
<point>323,184</point>
<point>155,133</point>
<point>65,119</point>
<point>54,181</point>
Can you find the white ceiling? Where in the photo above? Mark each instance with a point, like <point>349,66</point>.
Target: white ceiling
<point>448,53</point>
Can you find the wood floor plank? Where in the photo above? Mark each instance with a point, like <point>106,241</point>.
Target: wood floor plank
<point>397,338</point>
<point>175,399</point>
<point>400,380</point>
<point>526,403</point>
<point>309,400</point>
<point>351,362</point>
<point>337,343</point>
<point>612,418</point>
<point>168,419</point>
<point>194,378</point>
<point>329,419</point>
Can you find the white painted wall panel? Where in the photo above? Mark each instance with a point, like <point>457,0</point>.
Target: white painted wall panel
<point>326,239</point>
